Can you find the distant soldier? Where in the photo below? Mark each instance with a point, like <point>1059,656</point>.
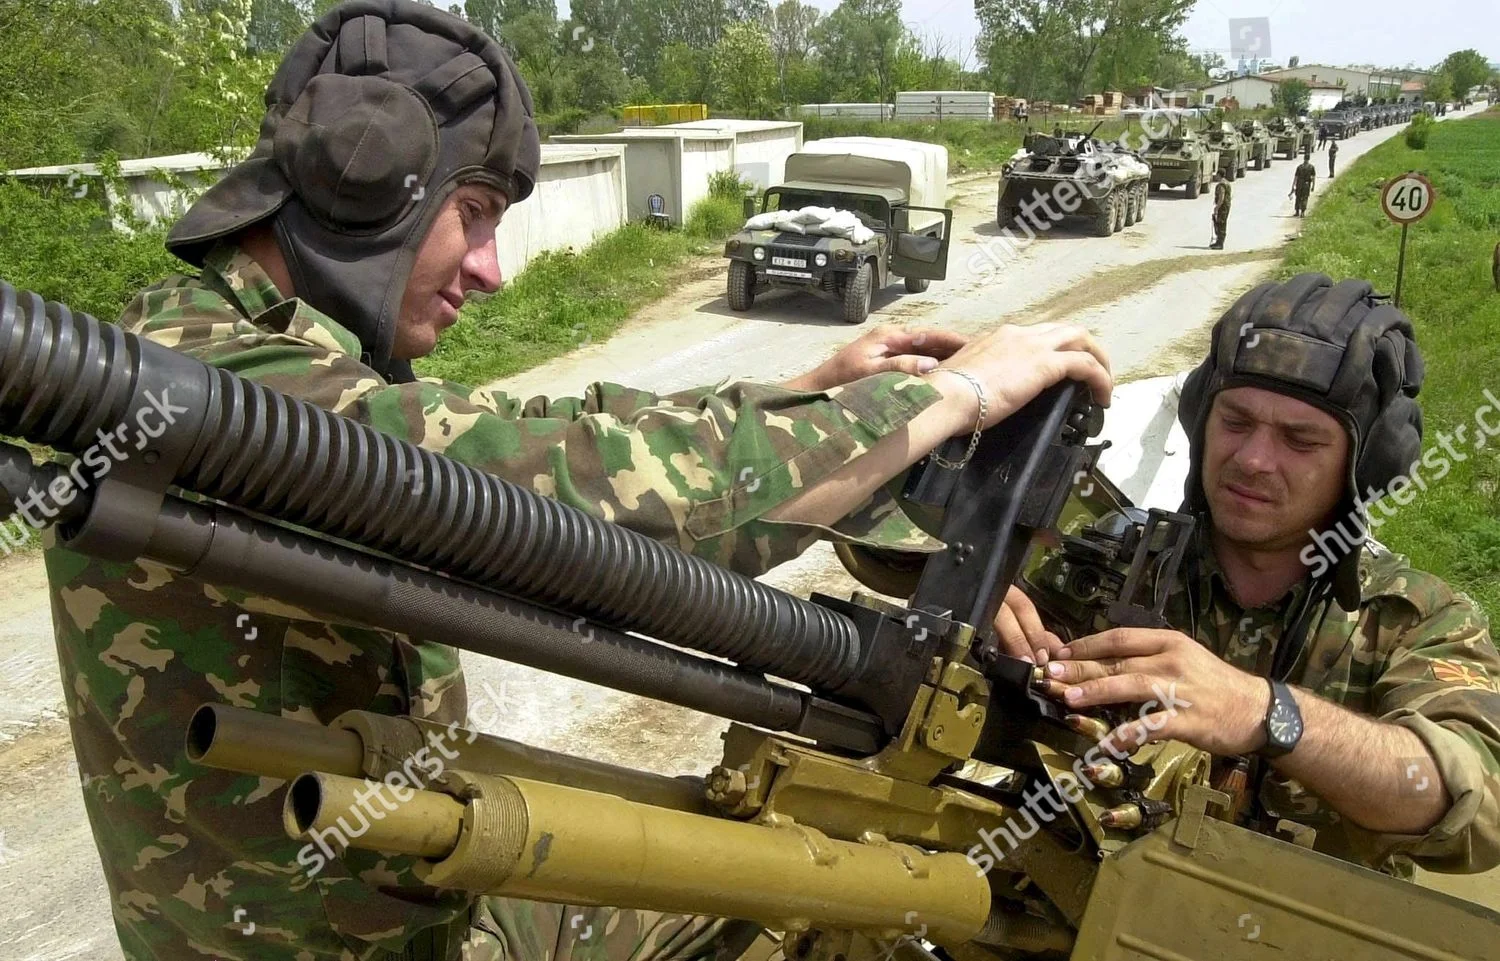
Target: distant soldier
<point>1057,131</point>
<point>1302,182</point>
<point>1223,198</point>
<point>1333,154</point>
<point>1322,135</point>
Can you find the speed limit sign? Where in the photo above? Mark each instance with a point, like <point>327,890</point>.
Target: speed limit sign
<point>1407,198</point>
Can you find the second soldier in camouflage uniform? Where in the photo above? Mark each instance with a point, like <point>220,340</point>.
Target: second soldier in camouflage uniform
<point>1223,200</point>
<point>1304,411</point>
<point>395,136</point>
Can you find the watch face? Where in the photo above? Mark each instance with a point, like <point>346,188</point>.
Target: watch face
<point>1284,724</point>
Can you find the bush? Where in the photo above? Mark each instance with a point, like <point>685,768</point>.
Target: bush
<point>562,122</point>
<point>65,250</point>
<point>728,185</point>
<point>715,216</point>
<point>1417,133</point>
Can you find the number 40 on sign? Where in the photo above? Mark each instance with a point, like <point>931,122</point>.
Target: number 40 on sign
<point>1406,199</point>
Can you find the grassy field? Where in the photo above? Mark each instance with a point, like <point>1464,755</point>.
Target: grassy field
<point>1454,528</point>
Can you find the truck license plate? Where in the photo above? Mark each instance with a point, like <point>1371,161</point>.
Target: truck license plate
<point>789,262</point>
<point>800,274</point>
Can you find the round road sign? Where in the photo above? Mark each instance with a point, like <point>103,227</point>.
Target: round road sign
<point>1408,198</point>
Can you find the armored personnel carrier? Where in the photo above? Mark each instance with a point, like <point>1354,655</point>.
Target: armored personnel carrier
<point>1233,149</point>
<point>1181,159</point>
<point>1081,176</point>
<point>1258,137</point>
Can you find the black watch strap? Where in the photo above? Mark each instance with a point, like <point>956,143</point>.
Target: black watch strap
<point>1283,722</point>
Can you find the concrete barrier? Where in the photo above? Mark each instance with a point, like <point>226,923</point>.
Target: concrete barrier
<point>671,162</point>
<point>760,146</point>
<point>580,195</point>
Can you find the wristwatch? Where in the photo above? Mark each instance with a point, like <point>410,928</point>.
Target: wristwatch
<point>1283,722</point>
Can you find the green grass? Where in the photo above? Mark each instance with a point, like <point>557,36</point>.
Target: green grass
<point>1453,530</point>
<point>565,297</point>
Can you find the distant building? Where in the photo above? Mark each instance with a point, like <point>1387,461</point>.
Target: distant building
<point>1250,92</point>
<point>1373,84</point>
<point>1412,91</point>
<point>1251,67</point>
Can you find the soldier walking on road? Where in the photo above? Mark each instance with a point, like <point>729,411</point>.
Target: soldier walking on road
<point>1322,136</point>
<point>1333,153</point>
<point>1223,199</point>
<point>1302,182</point>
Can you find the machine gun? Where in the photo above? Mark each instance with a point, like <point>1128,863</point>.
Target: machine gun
<point>878,748</point>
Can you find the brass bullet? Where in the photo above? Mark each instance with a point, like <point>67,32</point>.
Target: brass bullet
<point>1126,817</point>
<point>1089,727</point>
<point>1105,774</point>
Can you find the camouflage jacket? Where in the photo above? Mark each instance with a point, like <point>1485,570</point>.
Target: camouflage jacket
<point>1223,198</point>
<point>1304,178</point>
<point>193,857</point>
<point>1417,654</point>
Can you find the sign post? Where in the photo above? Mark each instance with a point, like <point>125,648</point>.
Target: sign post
<point>1406,199</point>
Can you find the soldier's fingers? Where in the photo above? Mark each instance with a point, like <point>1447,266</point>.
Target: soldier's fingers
<point>907,364</point>
<point>1134,735</point>
<point>1043,643</point>
<point>1119,642</point>
<point>1122,689</point>
<point>1085,366</point>
<point>1010,635</point>
<point>932,341</point>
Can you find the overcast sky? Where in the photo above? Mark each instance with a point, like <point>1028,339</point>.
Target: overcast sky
<point>1336,32</point>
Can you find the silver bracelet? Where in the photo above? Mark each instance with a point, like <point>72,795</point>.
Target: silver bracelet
<point>984,409</point>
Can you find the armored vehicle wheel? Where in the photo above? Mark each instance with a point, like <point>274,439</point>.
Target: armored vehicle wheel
<point>1122,207</point>
<point>1132,206</point>
<point>917,285</point>
<point>741,285</point>
<point>857,293</point>
<point>1104,220</point>
<point>1193,187</point>
<point>1144,191</point>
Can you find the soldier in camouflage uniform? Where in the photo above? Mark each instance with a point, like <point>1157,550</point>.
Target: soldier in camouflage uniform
<point>1303,180</point>
<point>1304,412</point>
<point>1223,200</point>
<point>395,136</point>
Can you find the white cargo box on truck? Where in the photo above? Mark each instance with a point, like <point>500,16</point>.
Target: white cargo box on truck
<point>918,170</point>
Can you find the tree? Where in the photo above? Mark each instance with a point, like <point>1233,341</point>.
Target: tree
<point>743,70</point>
<point>1292,97</point>
<point>1466,69</point>
<point>859,43</point>
<point>792,26</point>
<point>682,75</point>
<point>1439,88</point>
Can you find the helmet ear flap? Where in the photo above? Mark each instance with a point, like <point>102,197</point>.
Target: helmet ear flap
<point>1392,449</point>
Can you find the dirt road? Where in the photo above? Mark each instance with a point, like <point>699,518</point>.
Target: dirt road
<point>1148,293</point>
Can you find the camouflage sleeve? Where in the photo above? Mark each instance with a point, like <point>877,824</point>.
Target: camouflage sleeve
<point>699,470</point>
<point>1439,683</point>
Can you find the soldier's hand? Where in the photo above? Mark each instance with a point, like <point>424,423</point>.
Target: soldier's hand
<point>1019,630</point>
<point>1190,695</point>
<point>912,350</point>
<point>1014,364</point>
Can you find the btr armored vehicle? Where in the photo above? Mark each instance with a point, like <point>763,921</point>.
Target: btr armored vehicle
<point>1074,175</point>
<point>1233,150</point>
<point>1182,159</point>
<point>1258,137</point>
<point>1290,137</point>
<point>852,213</point>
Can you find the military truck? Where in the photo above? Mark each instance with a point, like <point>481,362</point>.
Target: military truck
<point>1259,138</point>
<point>1081,176</point>
<point>1181,159</point>
<point>1233,150</point>
<point>879,213</point>
<point>1339,124</point>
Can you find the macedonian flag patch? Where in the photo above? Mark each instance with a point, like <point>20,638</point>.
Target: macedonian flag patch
<point>1464,675</point>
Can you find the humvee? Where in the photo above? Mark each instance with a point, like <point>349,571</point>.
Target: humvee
<point>895,188</point>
